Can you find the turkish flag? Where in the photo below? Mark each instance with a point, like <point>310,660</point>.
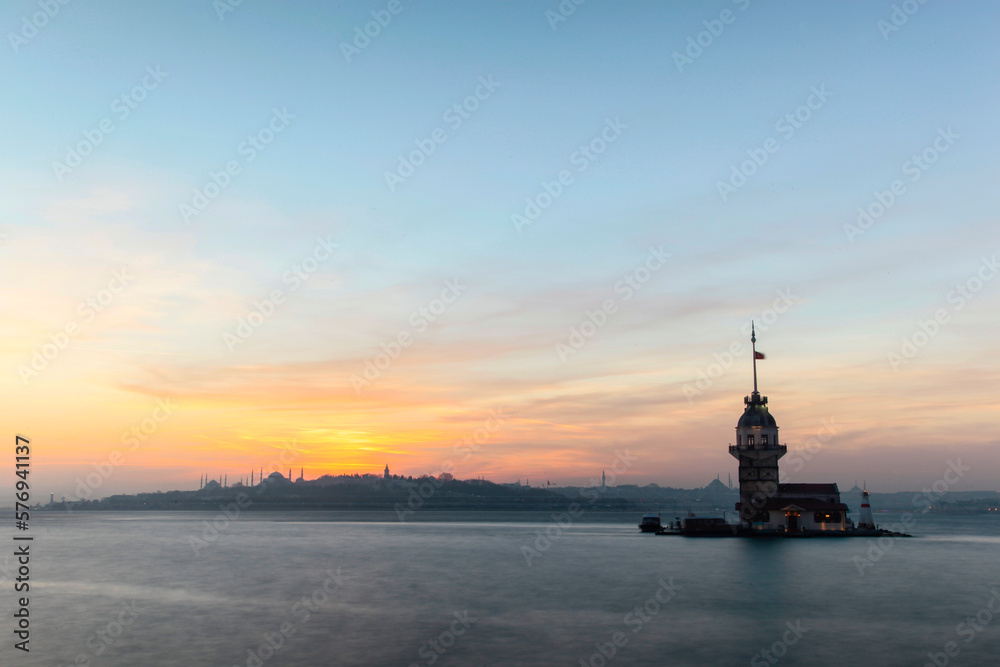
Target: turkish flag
<point>758,355</point>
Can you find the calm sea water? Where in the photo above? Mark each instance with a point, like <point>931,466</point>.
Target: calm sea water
<point>129,589</point>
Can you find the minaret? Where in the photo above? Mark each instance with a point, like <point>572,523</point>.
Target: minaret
<point>603,480</point>
<point>757,450</point>
<point>251,478</point>
<point>289,474</point>
<point>866,520</point>
<point>302,474</point>
<point>225,483</point>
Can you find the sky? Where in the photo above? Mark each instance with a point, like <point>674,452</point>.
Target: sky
<point>523,241</point>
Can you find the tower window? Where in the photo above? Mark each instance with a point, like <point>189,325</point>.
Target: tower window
<point>750,440</point>
<point>739,440</point>
<point>763,439</point>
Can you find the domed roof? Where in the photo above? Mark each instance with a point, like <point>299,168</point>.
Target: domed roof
<point>756,413</point>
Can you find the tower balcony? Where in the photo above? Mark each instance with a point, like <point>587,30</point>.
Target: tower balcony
<point>734,449</point>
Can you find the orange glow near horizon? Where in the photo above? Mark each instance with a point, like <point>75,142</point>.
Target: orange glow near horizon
<point>563,419</point>
<point>330,430</point>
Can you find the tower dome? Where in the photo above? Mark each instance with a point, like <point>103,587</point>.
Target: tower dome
<point>756,413</point>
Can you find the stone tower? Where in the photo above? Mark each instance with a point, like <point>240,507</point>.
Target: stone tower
<point>757,449</point>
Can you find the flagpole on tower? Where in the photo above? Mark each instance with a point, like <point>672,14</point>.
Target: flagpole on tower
<point>753,343</point>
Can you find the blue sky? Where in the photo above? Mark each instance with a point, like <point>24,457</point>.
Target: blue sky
<point>887,96</point>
